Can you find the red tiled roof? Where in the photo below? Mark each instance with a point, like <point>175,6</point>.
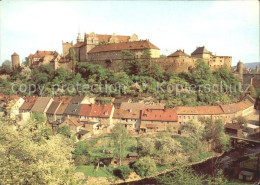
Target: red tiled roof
<point>95,110</point>
<point>159,115</point>
<point>209,110</point>
<point>141,106</point>
<point>28,103</point>
<point>62,99</point>
<point>186,110</point>
<point>121,38</point>
<point>178,53</point>
<point>136,45</point>
<point>75,122</point>
<point>232,126</point>
<point>14,97</point>
<point>127,114</point>
<point>40,54</point>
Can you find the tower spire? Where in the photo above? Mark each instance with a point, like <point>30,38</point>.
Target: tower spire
<point>79,38</point>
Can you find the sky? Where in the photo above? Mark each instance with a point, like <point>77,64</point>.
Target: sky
<point>226,28</point>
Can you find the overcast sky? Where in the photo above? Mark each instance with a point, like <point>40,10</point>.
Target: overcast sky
<point>225,27</point>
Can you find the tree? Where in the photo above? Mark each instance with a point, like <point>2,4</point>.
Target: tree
<point>26,73</point>
<point>144,166</point>
<point>74,59</point>
<point>64,130</point>
<point>123,172</point>
<point>120,138</point>
<point>7,63</point>
<point>24,159</point>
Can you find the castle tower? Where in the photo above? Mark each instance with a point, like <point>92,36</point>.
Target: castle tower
<point>15,61</point>
<point>79,38</point>
<point>66,48</point>
<point>240,70</point>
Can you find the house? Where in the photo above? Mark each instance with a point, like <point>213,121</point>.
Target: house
<point>51,112</point>
<point>212,112</point>
<point>93,127</point>
<point>129,118</point>
<point>141,106</point>
<point>16,103</point>
<point>72,110</point>
<point>55,106</point>
<point>97,113</point>
<point>246,107</point>
<point>83,134</point>
<point>233,129</point>
<point>186,114</point>
<point>118,101</point>
<point>25,109</point>
<point>231,111</point>
<point>42,104</point>
<point>82,100</point>
<point>59,114</point>
<point>73,123</point>
<point>159,120</point>
<point>246,175</point>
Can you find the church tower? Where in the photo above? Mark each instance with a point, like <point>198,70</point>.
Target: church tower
<point>79,38</point>
<point>15,61</point>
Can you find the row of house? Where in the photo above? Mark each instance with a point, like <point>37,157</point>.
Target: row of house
<point>87,116</point>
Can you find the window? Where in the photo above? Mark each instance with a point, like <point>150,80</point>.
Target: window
<point>183,117</point>
<point>188,117</point>
<point>179,116</point>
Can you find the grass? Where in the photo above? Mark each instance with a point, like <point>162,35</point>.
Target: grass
<point>161,168</point>
<point>90,170</point>
<point>203,156</point>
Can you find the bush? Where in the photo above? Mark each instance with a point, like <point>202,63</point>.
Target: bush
<point>122,172</point>
<point>82,160</point>
<point>144,166</point>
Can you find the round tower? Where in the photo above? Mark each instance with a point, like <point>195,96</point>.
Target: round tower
<point>15,61</point>
<point>240,70</point>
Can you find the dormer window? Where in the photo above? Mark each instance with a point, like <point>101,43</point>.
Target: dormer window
<point>106,113</point>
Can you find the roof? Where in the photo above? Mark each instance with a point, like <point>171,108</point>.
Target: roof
<point>209,110</point>
<point>62,108</point>
<point>244,104</point>
<point>41,54</point>
<point>200,50</point>
<point>62,99</point>
<point>53,107</point>
<point>248,125</point>
<point>186,110</point>
<point>127,114</point>
<point>75,121</point>
<point>73,109</point>
<point>77,99</point>
<point>250,98</point>
<point>121,38</point>
<point>179,53</point>
<point>14,97</point>
<point>82,132</point>
<point>40,104</point>
<point>78,45</point>
<point>140,106</point>
<point>159,115</point>
<point>28,103</point>
<point>232,126</point>
<point>96,110</point>
<point>230,108</point>
<point>15,54</point>
<point>135,45</point>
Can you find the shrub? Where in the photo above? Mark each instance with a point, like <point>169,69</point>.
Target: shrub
<point>82,160</point>
<point>122,172</point>
<point>144,166</point>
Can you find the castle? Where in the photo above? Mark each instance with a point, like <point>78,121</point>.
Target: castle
<point>106,50</point>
